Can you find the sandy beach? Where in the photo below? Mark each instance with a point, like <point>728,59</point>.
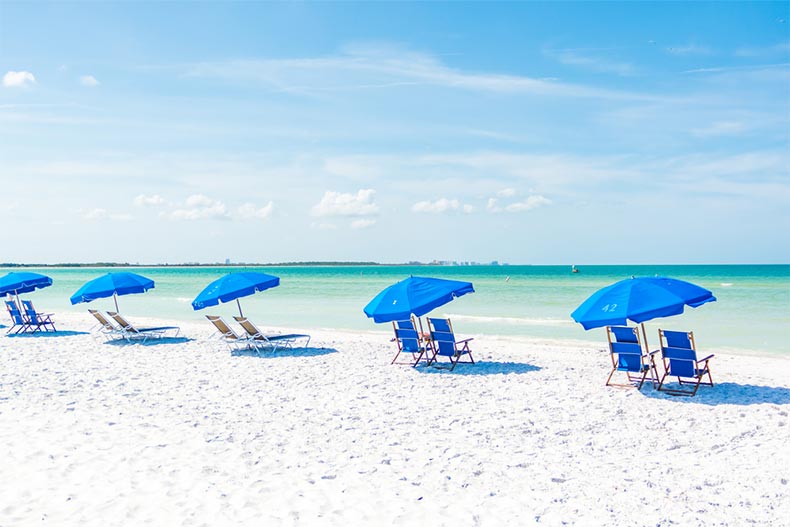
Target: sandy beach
<point>182,433</point>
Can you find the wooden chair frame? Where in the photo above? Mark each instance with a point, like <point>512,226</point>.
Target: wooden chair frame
<point>630,357</point>
<point>699,367</point>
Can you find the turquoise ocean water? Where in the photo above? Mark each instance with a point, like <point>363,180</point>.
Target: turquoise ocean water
<point>752,314</point>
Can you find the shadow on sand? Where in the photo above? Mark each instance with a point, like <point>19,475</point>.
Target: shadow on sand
<point>44,334</point>
<point>287,352</point>
<point>479,368</point>
<point>150,342</point>
<point>728,393</point>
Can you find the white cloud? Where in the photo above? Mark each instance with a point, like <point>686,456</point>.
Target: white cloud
<point>506,193</point>
<point>89,80</point>
<point>199,207</point>
<point>439,206</point>
<point>100,214</point>
<point>15,79</point>
<point>362,223</point>
<point>468,209</point>
<point>340,204</point>
<point>530,203</point>
<point>493,205</point>
<point>148,201</point>
<point>250,211</point>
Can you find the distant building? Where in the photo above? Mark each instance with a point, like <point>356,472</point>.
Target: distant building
<point>227,261</point>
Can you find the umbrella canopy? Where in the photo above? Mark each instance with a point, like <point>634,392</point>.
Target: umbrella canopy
<point>24,282</point>
<point>114,285</point>
<point>414,296</point>
<point>639,300</point>
<point>232,287</point>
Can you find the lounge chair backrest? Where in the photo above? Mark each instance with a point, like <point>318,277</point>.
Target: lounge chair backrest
<point>442,336</point>
<point>677,347</point>
<point>106,324</point>
<point>13,311</point>
<point>624,341</point>
<point>248,326</point>
<point>408,339</point>
<point>30,311</point>
<point>118,318</point>
<point>223,327</point>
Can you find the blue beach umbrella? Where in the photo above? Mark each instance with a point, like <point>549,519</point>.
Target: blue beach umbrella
<point>24,282</point>
<point>232,287</point>
<point>114,285</point>
<point>414,296</point>
<point>639,300</point>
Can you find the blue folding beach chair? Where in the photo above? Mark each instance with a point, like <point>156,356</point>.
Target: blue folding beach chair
<point>629,356</point>
<point>679,353</point>
<point>408,340</point>
<point>17,320</point>
<point>36,320</point>
<point>444,344</point>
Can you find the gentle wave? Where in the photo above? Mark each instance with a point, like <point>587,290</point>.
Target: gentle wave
<point>725,284</point>
<point>514,320</point>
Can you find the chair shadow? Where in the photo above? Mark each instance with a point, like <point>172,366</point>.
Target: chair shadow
<point>288,352</point>
<point>728,393</point>
<point>40,334</point>
<point>479,368</point>
<point>150,342</point>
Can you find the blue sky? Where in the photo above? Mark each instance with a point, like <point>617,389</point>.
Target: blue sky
<point>521,132</point>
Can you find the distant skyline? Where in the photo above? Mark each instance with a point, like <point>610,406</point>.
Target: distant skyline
<point>527,133</point>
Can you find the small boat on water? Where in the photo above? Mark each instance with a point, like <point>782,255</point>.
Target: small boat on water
<point>574,269</point>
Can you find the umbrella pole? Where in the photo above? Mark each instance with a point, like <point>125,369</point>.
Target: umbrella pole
<point>239,304</point>
<point>115,299</point>
<point>644,336</point>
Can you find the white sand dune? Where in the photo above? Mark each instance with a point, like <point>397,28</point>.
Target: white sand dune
<point>183,433</point>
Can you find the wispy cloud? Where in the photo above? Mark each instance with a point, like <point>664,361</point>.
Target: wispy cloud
<point>100,214</point>
<point>18,79</point>
<point>689,49</point>
<point>439,206</point>
<point>594,63</point>
<point>363,223</point>
<point>386,66</point>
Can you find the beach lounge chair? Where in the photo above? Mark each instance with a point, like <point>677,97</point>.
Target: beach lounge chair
<point>679,354</point>
<point>17,319</point>
<point>444,344</point>
<point>36,320</point>
<point>408,341</point>
<point>629,356</point>
<point>104,326</point>
<point>230,337</point>
<point>272,342</point>
<point>131,333</point>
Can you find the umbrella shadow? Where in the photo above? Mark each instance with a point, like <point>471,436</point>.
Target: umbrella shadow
<point>150,342</point>
<point>285,352</point>
<point>45,334</point>
<point>729,393</point>
<point>480,368</point>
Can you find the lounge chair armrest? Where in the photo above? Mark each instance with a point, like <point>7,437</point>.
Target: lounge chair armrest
<point>464,341</point>
<point>706,359</point>
<point>654,352</point>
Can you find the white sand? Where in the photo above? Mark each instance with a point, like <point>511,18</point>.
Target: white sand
<point>184,434</point>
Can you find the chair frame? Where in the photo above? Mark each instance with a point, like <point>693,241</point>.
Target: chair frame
<point>17,318</point>
<point>234,341</point>
<point>271,342</point>
<point>442,338</point>
<point>618,350</point>
<point>667,358</point>
<point>405,333</point>
<point>104,326</point>
<point>131,333</point>
<point>37,320</point>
